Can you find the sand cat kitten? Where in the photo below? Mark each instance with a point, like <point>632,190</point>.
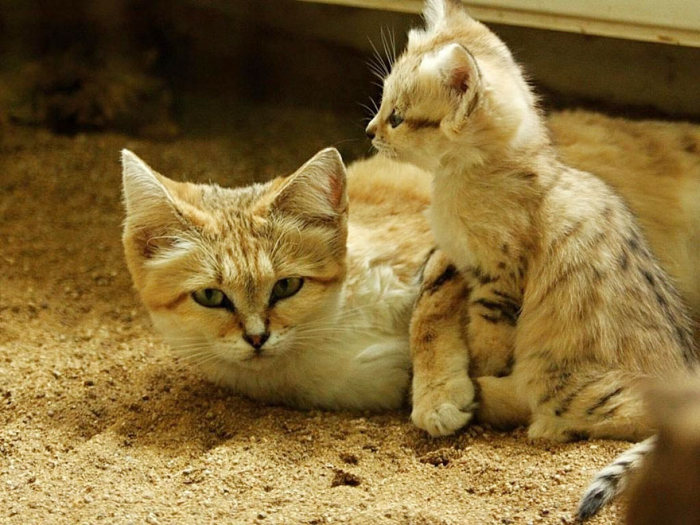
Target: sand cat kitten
<point>558,261</point>
<point>272,290</point>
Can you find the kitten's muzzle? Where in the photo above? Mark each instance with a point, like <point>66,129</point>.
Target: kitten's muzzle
<point>257,340</point>
<point>370,131</point>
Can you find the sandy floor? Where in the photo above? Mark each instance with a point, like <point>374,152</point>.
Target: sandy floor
<point>100,424</point>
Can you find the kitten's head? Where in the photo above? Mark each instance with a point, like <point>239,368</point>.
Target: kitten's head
<point>455,88</point>
<point>237,275</point>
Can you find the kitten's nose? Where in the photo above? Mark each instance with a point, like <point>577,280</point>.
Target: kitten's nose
<point>370,132</point>
<point>257,340</point>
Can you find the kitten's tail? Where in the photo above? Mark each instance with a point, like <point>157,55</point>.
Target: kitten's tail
<point>612,479</point>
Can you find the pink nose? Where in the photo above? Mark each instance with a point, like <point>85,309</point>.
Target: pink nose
<point>257,340</point>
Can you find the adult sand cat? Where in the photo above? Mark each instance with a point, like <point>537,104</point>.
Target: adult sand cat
<point>272,290</point>
<point>557,259</point>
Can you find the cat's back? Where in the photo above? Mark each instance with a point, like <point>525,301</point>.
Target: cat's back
<point>379,183</point>
<point>388,223</point>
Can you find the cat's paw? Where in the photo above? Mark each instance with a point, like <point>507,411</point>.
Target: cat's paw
<point>443,411</point>
<point>545,428</point>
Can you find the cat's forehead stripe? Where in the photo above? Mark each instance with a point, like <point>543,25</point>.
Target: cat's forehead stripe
<point>172,304</point>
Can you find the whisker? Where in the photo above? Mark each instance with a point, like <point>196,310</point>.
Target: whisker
<point>345,141</point>
<point>379,60</point>
<point>365,107</point>
<point>387,50</point>
<point>376,70</point>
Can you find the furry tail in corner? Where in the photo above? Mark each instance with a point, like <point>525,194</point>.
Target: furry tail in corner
<point>611,480</point>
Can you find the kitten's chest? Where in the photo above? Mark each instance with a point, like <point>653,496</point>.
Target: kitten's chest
<point>451,240</point>
<point>451,226</point>
<point>477,228</point>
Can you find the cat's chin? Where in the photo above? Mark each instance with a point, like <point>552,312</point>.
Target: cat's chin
<point>408,156</point>
<point>257,362</point>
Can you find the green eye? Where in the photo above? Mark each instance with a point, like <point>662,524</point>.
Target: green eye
<point>286,288</point>
<point>211,298</point>
<point>395,120</point>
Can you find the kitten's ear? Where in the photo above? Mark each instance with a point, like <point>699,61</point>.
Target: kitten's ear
<point>153,212</point>
<point>316,192</point>
<point>457,68</point>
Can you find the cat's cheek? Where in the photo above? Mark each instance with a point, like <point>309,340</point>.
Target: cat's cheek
<point>420,148</point>
<point>278,337</point>
<point>284,317</point>
<point>186,321</point>
<point>179,329</point>
<point>165,324</point>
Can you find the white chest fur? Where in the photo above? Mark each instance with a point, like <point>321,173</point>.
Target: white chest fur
<point>448,225</point>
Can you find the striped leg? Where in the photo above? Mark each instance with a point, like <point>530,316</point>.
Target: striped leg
<point>443,393</point>
<point>588,404</point>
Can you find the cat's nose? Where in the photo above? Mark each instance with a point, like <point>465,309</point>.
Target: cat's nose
<point>370,131</point>
<point>257,340</point>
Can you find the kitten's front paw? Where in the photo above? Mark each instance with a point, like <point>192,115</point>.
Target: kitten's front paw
<point>443,411</point>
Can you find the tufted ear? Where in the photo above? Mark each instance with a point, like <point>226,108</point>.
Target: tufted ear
<point>155,215</point>
<point>441,13</point>
<point>316,192</point>
<point>144,193</point>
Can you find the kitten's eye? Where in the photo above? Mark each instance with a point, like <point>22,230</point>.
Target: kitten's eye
<point>395,120</point>
<point>211,298</point>
<point>286,288</point>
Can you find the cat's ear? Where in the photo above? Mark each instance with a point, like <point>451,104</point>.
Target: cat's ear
<point>457,68</point>
<point>144,193</point>
<point>316,192</point>
<point>154,213</point>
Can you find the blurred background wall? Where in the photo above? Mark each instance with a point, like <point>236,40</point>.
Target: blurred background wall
<point>154,68</point>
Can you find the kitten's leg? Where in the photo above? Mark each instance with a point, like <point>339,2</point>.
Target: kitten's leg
<point>588,403</point>
<point>443,394</point>
<point>499,403</point>
<point>492,314</point>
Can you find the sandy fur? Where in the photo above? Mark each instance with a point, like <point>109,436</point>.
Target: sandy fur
<point>655,168</point>
<point>388,239</point>
<point>342,340</point>
<point>555,257</point>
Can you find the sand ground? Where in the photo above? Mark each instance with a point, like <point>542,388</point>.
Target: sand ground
<point>99,424</point>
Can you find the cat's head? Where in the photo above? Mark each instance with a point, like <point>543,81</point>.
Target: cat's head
<point>237,276</point>
<point>455,88</point>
